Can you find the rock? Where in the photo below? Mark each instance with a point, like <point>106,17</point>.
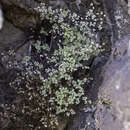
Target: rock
<point>21,12</point>
<point>1,19</point>
<point>129,7</point>
<point>12,40</point>
<point>10,36</point>
<point>113,108</point>
<point>83,121</point>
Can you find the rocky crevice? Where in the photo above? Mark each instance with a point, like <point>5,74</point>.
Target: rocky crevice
<point>108,80</point>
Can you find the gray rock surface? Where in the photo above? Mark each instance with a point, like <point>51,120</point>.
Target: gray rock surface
<point>12,40</point>
<point>10,36</point>
<point>113,108</point>
<point>1,19</point>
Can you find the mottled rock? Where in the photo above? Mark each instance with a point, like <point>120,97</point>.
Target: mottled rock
<point>21,12</point>
<point>129,7</point>
<point>13,40</point>
<point>113,109</point>
<point>1,19</point>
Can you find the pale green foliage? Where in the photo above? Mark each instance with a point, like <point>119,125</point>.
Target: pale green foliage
<point>59,88</point>
<point>75,36</point>
<point>40,47</point>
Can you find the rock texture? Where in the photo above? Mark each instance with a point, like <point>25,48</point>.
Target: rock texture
<point>21,12</point>
<point>129,7</point>
<point>113,105</point>
<point>113,109</point>
<point>13,40</point>
<point>1,19</point>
